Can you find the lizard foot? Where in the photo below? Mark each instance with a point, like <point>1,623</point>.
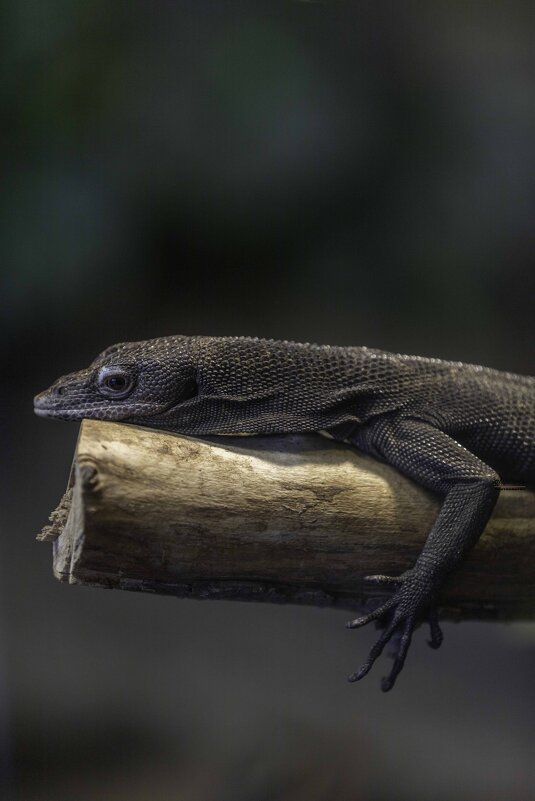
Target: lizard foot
<point>402,612</point>
<point>435,630</point>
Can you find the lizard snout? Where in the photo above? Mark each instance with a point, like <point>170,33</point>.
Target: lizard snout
<point>44,401</point>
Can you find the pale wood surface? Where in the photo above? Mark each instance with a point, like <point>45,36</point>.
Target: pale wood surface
<point>284,519</point>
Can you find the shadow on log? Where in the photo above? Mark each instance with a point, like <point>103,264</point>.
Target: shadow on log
<point>295,519</point>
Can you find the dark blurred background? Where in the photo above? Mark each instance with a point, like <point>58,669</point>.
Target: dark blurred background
<point>347,173</point>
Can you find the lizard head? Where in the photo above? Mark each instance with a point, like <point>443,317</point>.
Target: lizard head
<point>202,385</point>
<point>128,381</point>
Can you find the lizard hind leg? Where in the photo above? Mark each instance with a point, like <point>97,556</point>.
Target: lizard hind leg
<point>469,489</point>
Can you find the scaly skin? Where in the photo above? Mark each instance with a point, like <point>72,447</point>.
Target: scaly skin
<point>457,429</point>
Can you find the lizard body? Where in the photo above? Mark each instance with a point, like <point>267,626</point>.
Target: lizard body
<point>457,429</point>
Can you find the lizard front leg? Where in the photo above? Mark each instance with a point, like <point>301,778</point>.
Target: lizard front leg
<point>470,490</point>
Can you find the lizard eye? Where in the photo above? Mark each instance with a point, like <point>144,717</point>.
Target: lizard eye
<point>115,382</point>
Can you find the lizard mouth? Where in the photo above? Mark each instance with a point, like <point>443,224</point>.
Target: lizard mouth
<point>43,406</point>
<point>42,412</point>
<point>96,412</point>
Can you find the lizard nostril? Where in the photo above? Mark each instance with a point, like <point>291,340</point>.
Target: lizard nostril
<point>60,390</point>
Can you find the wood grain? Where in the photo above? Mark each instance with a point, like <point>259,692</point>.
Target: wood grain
<point>284,519</point>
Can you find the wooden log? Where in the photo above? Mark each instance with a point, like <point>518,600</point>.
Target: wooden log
<point>294,519</point>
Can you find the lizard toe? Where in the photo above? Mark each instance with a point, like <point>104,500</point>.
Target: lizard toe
<point>435,630</point>
<point>382,579</point>
<point>375,652</point>
<point>381,610</point>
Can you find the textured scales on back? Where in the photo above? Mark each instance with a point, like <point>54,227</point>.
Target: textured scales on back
<point>457,429</point>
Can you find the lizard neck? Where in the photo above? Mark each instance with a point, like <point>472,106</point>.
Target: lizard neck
<point>255,386</point>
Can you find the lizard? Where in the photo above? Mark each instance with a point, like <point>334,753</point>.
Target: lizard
<point>459,430</point>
